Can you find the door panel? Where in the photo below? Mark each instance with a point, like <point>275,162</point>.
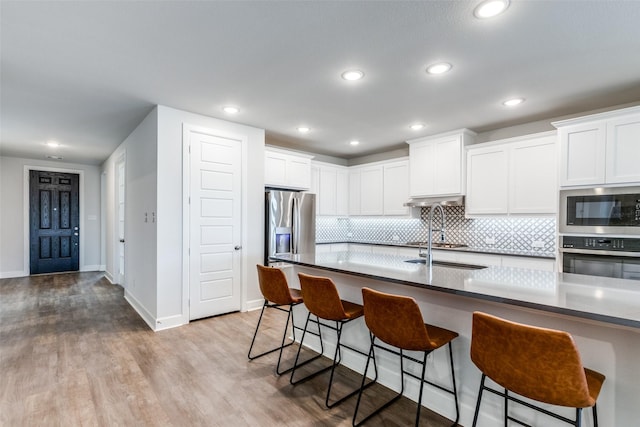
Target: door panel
<point>54,222</point>
<point>215,231</point>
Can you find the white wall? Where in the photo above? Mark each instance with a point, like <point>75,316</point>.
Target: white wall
<point>140,149</point>
<point>154,251</point>
<point>14,219</point>
<point>171,291</point>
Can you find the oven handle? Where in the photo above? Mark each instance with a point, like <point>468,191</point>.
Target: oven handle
<point>599,252</point>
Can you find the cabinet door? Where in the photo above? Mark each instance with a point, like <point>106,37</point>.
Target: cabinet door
<point>371,188</point>
<point>447,165</point>
<point>299,173</point>
<point>421,171</point>
<point>533,179</point>
<point>315,186</point>
<point>342,192</point>
<point>354,191</point>
<point>582,150</point>
<point>275,169</point>
<point>396,188</point>
<point>328,186</point>
<point>623,150</point>
<point>487,180</point>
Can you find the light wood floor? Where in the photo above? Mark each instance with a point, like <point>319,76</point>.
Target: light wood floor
<point>73,352</point>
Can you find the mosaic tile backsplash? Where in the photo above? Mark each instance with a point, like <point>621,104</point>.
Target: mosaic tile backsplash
<point>502,233</point>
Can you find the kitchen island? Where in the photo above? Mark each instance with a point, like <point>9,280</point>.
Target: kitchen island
<point>602,314</point>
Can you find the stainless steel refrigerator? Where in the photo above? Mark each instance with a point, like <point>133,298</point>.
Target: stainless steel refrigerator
<point>290,223</point>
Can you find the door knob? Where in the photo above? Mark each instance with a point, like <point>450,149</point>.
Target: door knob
<point>237,248</point>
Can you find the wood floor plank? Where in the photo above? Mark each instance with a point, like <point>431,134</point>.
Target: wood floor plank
<point>74,353</point>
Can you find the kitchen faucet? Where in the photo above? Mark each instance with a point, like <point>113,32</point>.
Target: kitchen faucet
<point>431,230</point>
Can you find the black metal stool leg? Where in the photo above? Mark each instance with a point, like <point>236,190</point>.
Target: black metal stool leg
<point>455,390</point>
<point>480,390</point>
<point>595,416</point>
<point>297,365</point>
<point>424,371</point>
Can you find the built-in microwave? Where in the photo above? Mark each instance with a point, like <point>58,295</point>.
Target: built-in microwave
<point>600,211</point>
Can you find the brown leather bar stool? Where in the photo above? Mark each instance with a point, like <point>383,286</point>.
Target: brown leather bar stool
<point>537,363</point>
<point>397,321</point>
<point>278,295</point>
<point>323,301</point>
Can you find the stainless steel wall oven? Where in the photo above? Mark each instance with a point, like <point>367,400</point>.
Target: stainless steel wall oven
<point>601,256</point>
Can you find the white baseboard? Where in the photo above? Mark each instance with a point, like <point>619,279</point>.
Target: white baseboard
<point>11,274</point>
<point>255,304</point>
<point>140,309</point>
<point>94,267</point>
<point>170,322</point>
<point>109,277</point>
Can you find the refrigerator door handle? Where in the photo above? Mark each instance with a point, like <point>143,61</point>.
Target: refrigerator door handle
<point>295,234</point>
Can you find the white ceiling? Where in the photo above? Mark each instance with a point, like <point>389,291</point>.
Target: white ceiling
<point>86,73</point>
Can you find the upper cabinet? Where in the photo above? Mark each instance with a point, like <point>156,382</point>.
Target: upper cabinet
<point>600,148</point>
<point>513,176</point>
<point>287,169</point>
<point>379,188</point>
<point>331,185</point>
<point>437,164</point>
<point>396,187</point>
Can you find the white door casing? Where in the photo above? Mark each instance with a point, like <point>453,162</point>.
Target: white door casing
<point>120,243</point>
<point>215,218</point>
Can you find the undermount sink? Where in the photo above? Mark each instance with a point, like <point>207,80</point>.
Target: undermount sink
<point>448,264</point>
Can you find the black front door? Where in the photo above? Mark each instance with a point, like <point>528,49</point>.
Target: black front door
<point>54,222</point>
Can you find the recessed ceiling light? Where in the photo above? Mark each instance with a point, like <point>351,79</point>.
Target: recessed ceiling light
<point>53,144</point>
<point>55,157</point>
<point>352,75</point>
<point>417,126</point>
<point>303,129</point>
<point>490,8</point>
<point>513,102</point>
<point>230,109</point>
<point>354,142</point>
<point>439,68</point>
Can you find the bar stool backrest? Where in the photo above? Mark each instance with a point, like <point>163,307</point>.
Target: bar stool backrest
<point>321,297</point>
<point>396,320</point>
<point>538,363</point>
<point>273,285</point>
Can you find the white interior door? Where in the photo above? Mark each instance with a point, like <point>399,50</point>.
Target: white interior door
<point>215,224</point>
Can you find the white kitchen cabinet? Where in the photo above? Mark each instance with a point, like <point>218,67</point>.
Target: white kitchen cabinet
<point>437,164</point>
<point>379,188</point>
<point>623,150</point>
<point>332,190</point>
<point>533,175</point>
<point>315,185</point>
<point>354,191</point>
<point>513,176</point>
<point>285,169</point>
<point>396,187</point>
<point>600,148</point>
<point>487,181</point>
<point>371,190</point>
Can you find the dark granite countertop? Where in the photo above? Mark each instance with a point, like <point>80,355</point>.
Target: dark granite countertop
<point>490,251</point>
<point>614,301</point>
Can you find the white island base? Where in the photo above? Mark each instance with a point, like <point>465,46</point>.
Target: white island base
<point>612,349</point>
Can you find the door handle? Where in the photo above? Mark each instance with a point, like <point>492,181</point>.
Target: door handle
<point>121,240</point>
<point>237,248</point>
<point>75,234</point>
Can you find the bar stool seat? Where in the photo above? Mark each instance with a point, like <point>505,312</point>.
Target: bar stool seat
<point>277,295</point>
<point>321,298</point>
<point>397,321</point>
<point>538,363</point>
